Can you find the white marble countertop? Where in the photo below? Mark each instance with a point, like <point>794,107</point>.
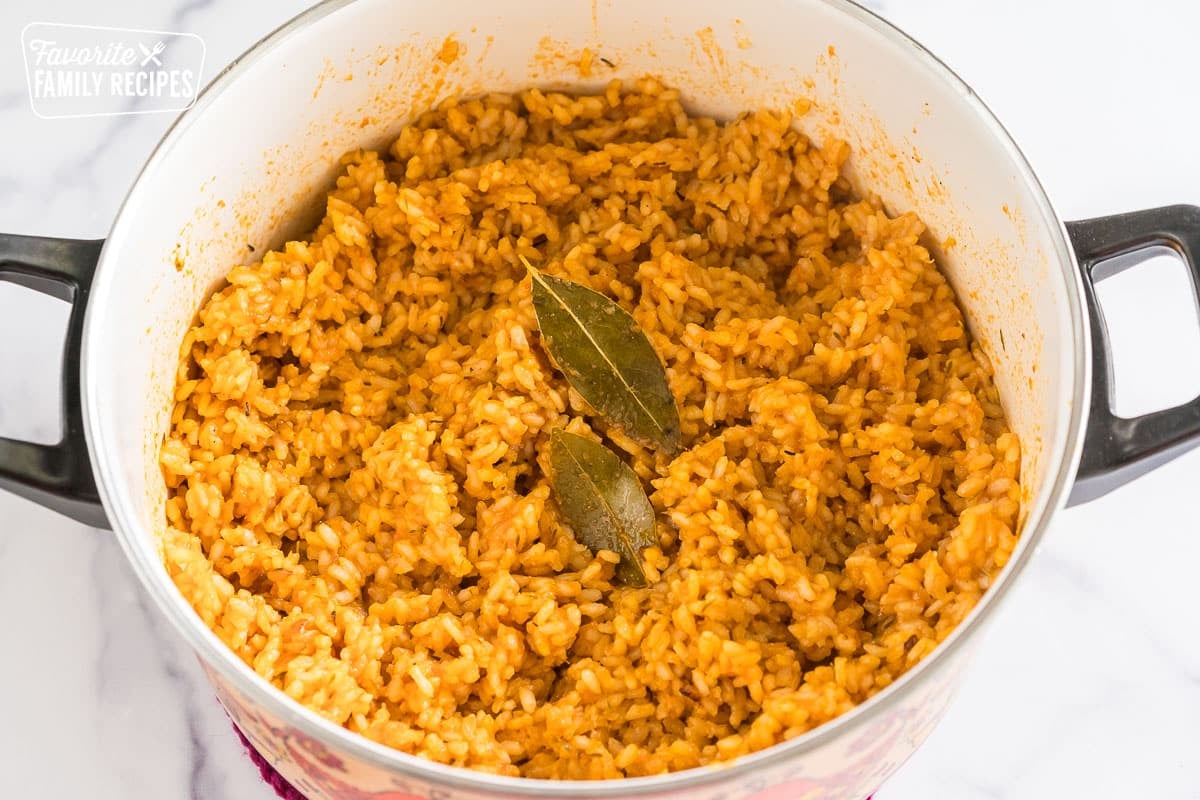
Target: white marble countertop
<point>1087,684</point>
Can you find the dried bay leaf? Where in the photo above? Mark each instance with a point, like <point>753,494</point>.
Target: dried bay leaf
<point>603,500</point>
<point>606,358</point>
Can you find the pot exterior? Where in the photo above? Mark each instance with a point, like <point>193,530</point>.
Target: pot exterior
<point>347,75</point>
<point>847,767</point>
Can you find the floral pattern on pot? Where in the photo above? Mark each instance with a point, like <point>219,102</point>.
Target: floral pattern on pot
<point>842,769</point>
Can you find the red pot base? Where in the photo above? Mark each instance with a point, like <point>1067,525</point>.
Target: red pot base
<point>272,778</point>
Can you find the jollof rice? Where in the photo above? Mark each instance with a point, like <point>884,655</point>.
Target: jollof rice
<point>358,503</point>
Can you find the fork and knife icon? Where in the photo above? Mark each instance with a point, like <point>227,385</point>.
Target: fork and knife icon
<point>152,54</point>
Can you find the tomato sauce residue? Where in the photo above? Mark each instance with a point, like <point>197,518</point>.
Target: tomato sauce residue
<point>450,50</point>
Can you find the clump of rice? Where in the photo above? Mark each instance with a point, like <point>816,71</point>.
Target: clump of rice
<point>358,503</point>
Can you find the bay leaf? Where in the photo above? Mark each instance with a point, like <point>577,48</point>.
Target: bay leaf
<point>607,358</point>
<point>603,500</point>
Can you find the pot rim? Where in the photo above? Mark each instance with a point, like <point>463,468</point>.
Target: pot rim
<point>123,512</point>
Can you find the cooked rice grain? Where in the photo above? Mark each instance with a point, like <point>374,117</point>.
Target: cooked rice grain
<point>357,498</point>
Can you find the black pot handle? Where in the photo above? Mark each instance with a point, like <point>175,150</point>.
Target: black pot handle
<point>58,476</point>
<point>1118,449</point>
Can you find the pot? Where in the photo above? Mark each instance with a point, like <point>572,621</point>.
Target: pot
<point>240,170</point>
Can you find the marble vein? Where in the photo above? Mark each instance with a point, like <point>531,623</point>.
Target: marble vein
<point>186,10</point>
<point>1087,586</point>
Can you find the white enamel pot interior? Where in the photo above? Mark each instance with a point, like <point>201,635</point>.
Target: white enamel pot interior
<point>244,165</point>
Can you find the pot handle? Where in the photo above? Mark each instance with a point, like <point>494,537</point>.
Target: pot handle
<point>1118,449</point>
<point>58,476</point>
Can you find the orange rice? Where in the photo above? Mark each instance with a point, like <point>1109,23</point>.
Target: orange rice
<point>358,503</point>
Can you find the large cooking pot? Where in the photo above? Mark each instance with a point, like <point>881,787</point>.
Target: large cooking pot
<point>242,167</point>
